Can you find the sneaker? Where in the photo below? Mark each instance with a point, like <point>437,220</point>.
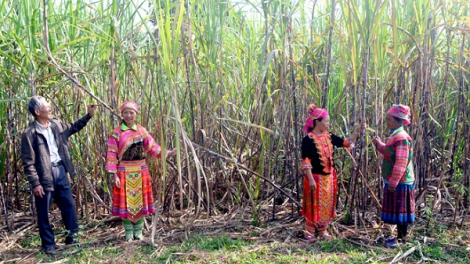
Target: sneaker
<point>129,237</point>
<point>391,243</point>
<point>139,237</point>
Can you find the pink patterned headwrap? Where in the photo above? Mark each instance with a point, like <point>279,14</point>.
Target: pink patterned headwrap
<point>130,105</point>
<point>401,111</point>
<point>313,113</point>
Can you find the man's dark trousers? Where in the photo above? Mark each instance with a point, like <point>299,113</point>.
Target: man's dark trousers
<point>62,195</point>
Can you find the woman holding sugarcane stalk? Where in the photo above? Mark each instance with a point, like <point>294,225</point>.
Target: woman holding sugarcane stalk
<point>398,205</point>
<point>320,184</point>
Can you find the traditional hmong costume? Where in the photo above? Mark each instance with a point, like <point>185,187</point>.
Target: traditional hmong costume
<point>317,155</point>
<point>397,171</point>
<point>127,148</point>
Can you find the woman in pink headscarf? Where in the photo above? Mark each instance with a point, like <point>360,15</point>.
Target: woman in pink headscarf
<point>398,205</point>
<point>128,146</point>
<point>320,186</point>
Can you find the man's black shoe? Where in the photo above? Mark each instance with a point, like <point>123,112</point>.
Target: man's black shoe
<point>70,241</point>
<point>50,251</point>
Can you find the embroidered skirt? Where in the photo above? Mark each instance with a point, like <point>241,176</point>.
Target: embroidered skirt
<point>134,199</point>
<point>319,207</point>
<point>399,207</point>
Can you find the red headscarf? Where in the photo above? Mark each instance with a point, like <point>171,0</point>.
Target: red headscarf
<point>130,105</point>
<point>401,111</point>
<point>314,113</point>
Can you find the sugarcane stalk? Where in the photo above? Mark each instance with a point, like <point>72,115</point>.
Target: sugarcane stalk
<point>326,83</point>
<point>45,33</point>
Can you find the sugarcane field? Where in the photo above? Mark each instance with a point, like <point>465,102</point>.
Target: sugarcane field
<point>235,131</point>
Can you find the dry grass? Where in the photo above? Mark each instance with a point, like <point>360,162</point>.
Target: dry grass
<point>227,238</point>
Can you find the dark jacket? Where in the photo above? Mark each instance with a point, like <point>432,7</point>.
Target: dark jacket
<point>35,151</point>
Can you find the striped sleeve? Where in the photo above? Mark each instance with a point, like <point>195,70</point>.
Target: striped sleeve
<point>381,147</point>
<point>151,146</point>
<point>111,155</point>
<point>401,161</point>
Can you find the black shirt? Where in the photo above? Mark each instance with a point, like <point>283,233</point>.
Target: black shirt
<point>310,150</point>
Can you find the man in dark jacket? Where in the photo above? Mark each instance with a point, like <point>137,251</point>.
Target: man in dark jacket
<point>46,159</point>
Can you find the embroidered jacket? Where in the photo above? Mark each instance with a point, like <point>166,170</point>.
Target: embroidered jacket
<point>398,153</point>
<point>317,151</point>
<point>129,144</point>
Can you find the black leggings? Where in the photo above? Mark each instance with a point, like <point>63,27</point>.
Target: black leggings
<point>402,231</point>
